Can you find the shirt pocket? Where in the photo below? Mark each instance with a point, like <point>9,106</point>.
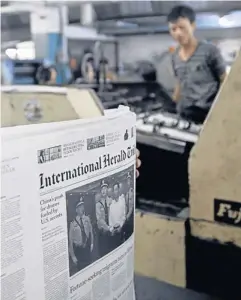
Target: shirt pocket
<point>199,73</point>
<point>180,71</point>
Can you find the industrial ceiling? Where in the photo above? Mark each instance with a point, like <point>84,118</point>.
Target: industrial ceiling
<point>106,10</point>
<point>112,14</point>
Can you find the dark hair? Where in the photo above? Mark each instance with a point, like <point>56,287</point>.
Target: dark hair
<point>87,50</point>
<point>181,11</point>
<point>104,61</point>
<point>116,183</point>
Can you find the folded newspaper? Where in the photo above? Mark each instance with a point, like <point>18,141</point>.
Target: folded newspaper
<point>67,209</point>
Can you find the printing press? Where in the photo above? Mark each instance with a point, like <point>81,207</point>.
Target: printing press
<point>140,96</point>
<point>165,142</point>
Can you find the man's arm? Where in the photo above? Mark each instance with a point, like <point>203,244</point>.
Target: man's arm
<point>111,221</point>
<point>100,218</point>
<point>123,216</point>
<point>71,244</point>
<point>176,93</point>
<point>127,206</point>
<point>177,89</point>
<point>91,234</point>
<point>131,205</point>
<point>217,63</point>
<point>223,76</point>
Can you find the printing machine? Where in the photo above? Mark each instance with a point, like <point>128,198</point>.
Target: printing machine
<point>165,141</point>
<point>20,72</point>
<point>140,95</point>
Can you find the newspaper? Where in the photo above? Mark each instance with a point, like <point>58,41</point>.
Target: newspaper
<point>67,210</point>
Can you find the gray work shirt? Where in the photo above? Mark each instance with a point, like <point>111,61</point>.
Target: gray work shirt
<point>199,77</point>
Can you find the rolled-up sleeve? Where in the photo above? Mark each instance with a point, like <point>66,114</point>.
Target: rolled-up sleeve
<point>216,61</point>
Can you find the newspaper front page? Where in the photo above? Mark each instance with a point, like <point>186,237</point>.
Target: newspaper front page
<point>67,210</point>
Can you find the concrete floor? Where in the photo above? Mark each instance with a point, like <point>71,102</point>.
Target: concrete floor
<point>150,289</point>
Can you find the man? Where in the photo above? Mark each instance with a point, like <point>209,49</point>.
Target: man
<point>122,189</point>
<point>102,216</point>
<point>81,238</point>
<point>129,224</point>
<point>110,194</point>
<point>46,73</point>
<point>198,67</point>
<point>117,215</point>
<point>97,197</point>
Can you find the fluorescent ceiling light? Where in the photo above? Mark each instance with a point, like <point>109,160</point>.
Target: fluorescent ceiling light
<point>226,21</point>
<point>25,53</point>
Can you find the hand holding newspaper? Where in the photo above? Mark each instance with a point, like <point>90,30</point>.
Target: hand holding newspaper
<point>65,188</point>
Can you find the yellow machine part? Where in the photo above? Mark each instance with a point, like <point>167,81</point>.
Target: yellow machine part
<point>46,104</point>
<point>160,248</point>
<point>215,166</point>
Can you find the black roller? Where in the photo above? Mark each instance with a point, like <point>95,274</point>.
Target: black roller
<point>164,175</point>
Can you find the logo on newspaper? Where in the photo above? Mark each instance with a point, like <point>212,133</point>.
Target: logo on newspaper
<point>126,135</point>
<point>49,154</point>
<point>96,142</point>
<point>33,111</point>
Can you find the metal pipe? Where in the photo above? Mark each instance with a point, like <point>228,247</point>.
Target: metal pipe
<point>117,57</point>
<point>60,53</point>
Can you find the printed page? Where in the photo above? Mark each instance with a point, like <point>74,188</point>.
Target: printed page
<point>79,186</point>
<point>13,264</point>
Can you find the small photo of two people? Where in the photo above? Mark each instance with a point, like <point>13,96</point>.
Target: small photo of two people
<point>100,217</point>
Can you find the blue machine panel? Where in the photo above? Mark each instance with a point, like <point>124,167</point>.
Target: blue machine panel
<point>20,71</point>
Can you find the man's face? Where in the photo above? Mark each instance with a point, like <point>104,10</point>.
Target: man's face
<point>121,188</point>
<point>110,192</point>
<point>97,197</point>
<point>128,182</point>
<point>116,191</point>
<point>182,30</point>
<point>80,210</point>
<point>104,191</point>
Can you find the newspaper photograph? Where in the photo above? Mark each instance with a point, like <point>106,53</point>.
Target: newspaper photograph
<point>100,218</point>
<point>68,225</point>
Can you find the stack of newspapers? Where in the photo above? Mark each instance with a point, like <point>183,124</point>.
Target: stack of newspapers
<point>67,209</point>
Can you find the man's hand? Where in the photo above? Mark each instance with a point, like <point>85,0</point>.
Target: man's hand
<point>116,228</point>
<point>176,93</point>
<point>91,247</point>
<point>75,260</point>
<point>138,162</point>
